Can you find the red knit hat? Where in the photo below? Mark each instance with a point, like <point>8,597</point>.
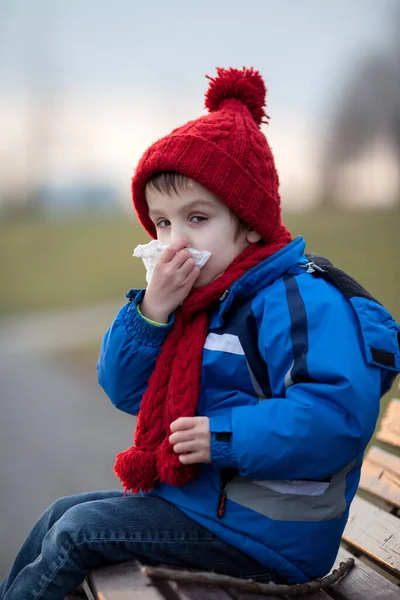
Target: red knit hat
<point>224,151</point>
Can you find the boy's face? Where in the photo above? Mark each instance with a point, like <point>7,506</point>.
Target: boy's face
<point>196,215</point>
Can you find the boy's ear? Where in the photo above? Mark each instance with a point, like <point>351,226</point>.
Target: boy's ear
<point>253,237</point>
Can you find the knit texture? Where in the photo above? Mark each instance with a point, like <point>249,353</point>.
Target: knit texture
<point>224,151</point>
<point>174,385</point>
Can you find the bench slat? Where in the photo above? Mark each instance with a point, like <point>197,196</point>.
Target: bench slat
<point>389,430</point>
<point>213,593</point>
<point>321,595</point>
<point>375,533</point>
<point>187,591</point>
<point>382,483</point>
<point>384,459</point>
<point>122,581</point>
<point>362,583</point>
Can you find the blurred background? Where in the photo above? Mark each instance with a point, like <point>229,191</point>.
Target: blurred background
<point>85,87</point>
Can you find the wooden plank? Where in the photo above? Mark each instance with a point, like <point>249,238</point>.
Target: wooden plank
<point>321,595</point>
<point>381,483</point>
<point>389,430</point>
<point>123,581</point>
<point>362,583</point>
<point>374,533</point>
<point>384,459</point>
<point>187,591</point>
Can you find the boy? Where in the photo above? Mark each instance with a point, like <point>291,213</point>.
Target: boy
<point>256,379</point>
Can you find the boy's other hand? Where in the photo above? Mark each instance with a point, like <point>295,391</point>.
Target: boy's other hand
<point>173,278</point>
<point>191,439</point>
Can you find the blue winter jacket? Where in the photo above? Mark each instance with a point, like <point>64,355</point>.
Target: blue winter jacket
<point>293,371</point>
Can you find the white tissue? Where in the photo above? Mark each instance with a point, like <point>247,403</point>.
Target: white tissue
<point>150,254</point>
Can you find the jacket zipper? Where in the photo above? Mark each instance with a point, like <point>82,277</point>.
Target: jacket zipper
<point>222,498</point>
<point>226,475</point>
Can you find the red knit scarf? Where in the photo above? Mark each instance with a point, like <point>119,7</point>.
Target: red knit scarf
<point>174,385</point>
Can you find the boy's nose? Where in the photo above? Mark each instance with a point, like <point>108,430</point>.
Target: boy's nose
<point>177,233</point>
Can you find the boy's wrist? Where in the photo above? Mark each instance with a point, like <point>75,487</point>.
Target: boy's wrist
<point>149,320</point>
<point>153,314</point>
<point>138,327</point>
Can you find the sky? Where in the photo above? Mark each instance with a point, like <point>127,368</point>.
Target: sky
<point>101,80</point>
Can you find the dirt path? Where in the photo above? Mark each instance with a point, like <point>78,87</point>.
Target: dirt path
<point>58,432</point>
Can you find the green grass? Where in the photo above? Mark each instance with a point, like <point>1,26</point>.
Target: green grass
<point>50,264</point>
<point>53,264</point>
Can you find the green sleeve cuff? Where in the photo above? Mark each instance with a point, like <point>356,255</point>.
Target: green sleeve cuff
<point>149,320</point>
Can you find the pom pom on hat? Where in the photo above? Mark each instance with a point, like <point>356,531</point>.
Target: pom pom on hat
<point>245,85</point>
<point>225,151</point>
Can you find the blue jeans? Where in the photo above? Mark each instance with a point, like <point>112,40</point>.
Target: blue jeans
<point>77,533</point>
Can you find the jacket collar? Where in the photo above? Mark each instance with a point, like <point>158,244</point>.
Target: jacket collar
<point>261,275</point>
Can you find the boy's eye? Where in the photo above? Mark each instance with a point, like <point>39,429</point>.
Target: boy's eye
<point>163,223</point>
<point>198,219</point>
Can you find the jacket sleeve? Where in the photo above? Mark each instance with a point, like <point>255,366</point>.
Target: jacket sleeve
<point>326,395</point>
<point>128,354</point>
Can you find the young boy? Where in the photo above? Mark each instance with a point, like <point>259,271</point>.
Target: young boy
<point>256,379</point>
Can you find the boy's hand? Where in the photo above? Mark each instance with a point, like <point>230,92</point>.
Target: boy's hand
<point>173,278</point>
<point>191,439</point>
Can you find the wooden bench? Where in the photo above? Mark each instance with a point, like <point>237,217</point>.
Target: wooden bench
<point>389,431</point>
<point>371,538</point>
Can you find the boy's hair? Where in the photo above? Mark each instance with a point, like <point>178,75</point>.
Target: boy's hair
<point>172,181</point>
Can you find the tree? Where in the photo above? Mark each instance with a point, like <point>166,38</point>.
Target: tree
<point>369,110</point>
